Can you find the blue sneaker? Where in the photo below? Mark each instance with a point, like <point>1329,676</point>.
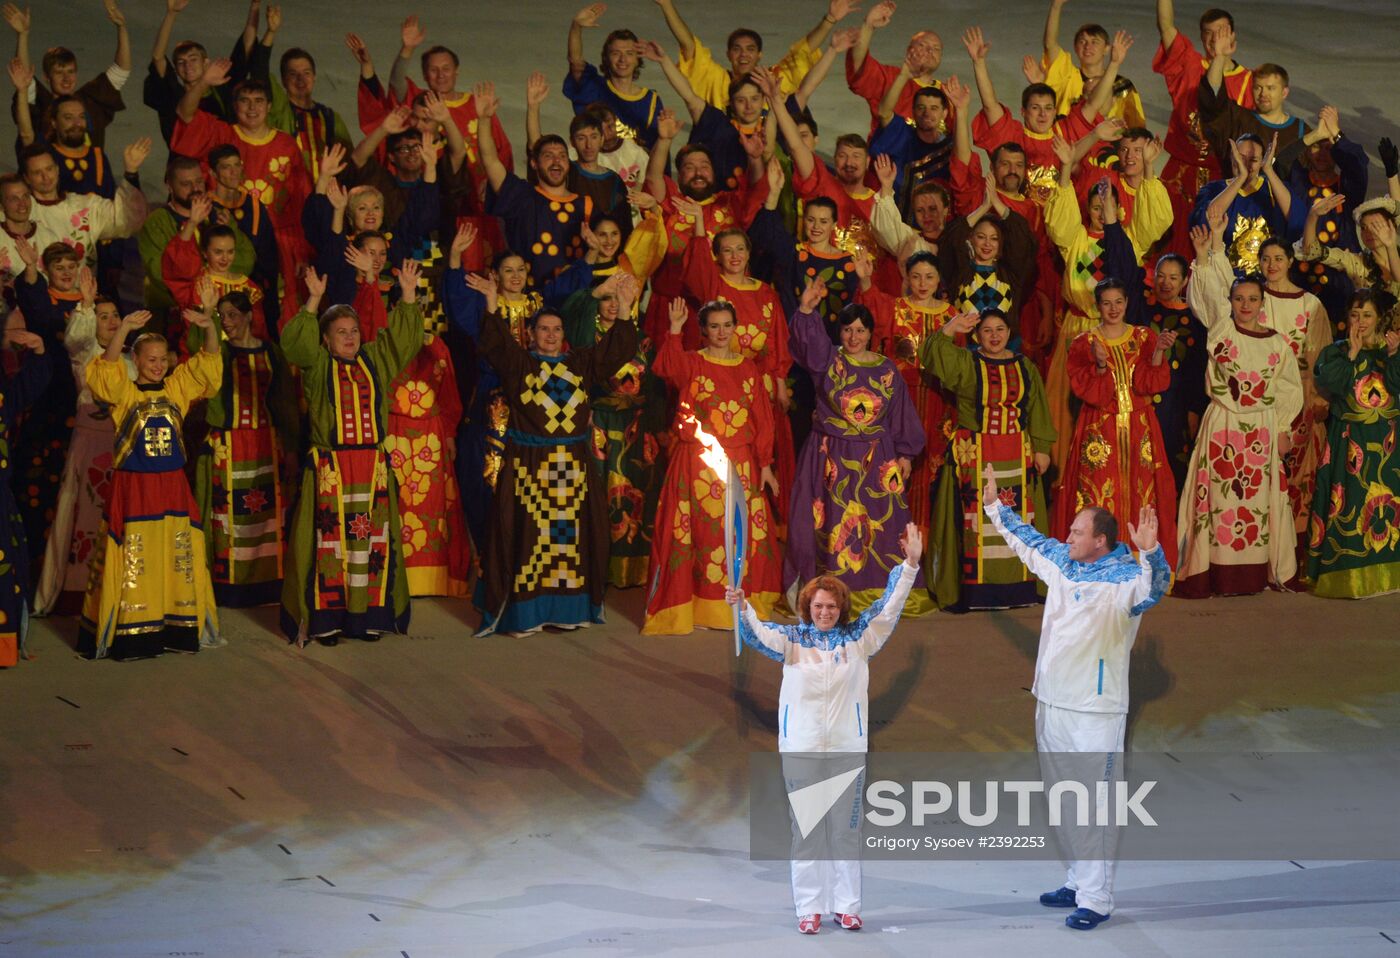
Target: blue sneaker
<point>1062,897</point>
<point>1082,919</point>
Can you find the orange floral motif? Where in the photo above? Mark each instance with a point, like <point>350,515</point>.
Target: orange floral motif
<point>414,398</point>
<point>727,418</point>
<point>709,492</point>
<point>413,533</point>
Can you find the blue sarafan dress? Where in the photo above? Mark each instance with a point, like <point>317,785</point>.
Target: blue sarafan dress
<point>150,589</point>
<point>17,392</point>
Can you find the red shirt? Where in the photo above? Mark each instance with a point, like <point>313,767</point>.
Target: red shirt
<point>1042,166</point>
<point>1183,67</point>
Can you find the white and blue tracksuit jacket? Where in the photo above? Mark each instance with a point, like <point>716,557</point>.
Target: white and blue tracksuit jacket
<point>1092,614</point>
<point>824,704</point>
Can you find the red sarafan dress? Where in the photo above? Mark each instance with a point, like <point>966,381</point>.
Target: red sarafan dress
<point>720,400</point>
<point>901,329</point>
<point>760,335</point>
<point>1117,459</point>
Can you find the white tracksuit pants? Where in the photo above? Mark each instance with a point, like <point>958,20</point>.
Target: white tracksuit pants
<point>821,884</point>
<point>1090,853</point>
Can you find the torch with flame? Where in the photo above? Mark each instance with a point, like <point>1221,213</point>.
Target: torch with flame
<point>736,513</point>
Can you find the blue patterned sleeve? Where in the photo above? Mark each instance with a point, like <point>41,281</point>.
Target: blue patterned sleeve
<point>1154,581</point>
<point>763,637</point>
<point>875,625</point>
<point>1044,556</point>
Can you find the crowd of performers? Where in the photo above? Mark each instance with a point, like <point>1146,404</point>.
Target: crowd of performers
<point>338,370</point>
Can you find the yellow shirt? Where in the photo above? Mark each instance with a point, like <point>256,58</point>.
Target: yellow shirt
<point>1068,83</point>
<point>711,81</point>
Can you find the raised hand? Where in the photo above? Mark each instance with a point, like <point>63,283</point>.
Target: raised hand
<point>114,13</point>
<point>886,171</point>
<point>216,72</point>
<point>1032,69</point>
<point>776,177</point>
<point>487,287</point>
<point>436,108</point>
<point>274,19</point>
<point>1354,341</point>
<point>651,50</point>
<point>1218,219</point>
<point>628,292</point>
<point>1122,43</point>
<point>26,340</point>
<point>1200,239</point>
<point>408,280</point>
<point>28,254</point>
<point>1390,156</point>
<point>913,544</point>
<point>536,88</point>
<point>411,33</point>
<point>863,265</point>
<point>977,47</point>
<point>397,120</point>
<point>1329,121</point>
<point>692,211</point>
<point>812,295</point>
<point>838,10</point>
<point>430,148</point>
<point>136,320</point>
<point>960,325</point>
<point>590,15</point>
<point>843,40</point>
<point>1100,352</point>
<point>336,194</point>
<point>200,207</point>
<point>17,19</point>
<point>667,125</point>
<point>198,317</point>
<point>204,289</point>
<point>1150,153</point>
<point>1144,534</point>
<point>333,161</point>
<point>958,93</point>
<point>484,97</point>
<point>1063,151</point>
<point>1269,153</point>
<point>989,486</point>
<point>87,286</point>
<point>358,49</point>
<point>466,236</point>
<point>315,286</point>
<point>767,82</point>
<point>641,200</point>
<point>1327,204</point>
<point>678,313</point>
<point>1110,129</point>
<point>753,143</point>
<point>880,15</point>
<point>21,74</point>
<point>360,261</point>
<point>135,153</point>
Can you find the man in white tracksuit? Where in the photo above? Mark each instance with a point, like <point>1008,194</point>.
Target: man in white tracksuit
<point>824,706</point>
<point>1096,595</point>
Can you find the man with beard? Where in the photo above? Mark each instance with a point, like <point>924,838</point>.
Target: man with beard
<point>16,205</point>
<point>543,223</point>
<point>871,80</point>
<point>185,179</point>
<point>101,96</point>
<point>82,167</point>
<point>167,79</point>
<point>587,177</point>
<point>669,234</point>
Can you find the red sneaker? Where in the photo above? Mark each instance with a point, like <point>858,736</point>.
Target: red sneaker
<point>849,922</point>
<point>809,924</point>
